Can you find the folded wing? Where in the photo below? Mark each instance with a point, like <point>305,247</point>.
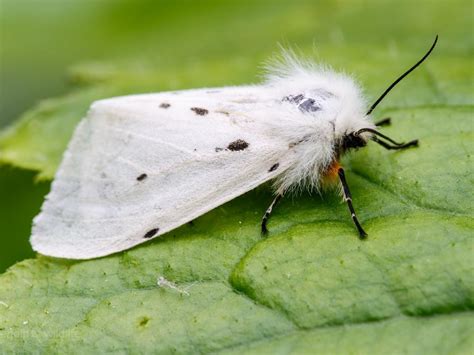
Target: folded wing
<point>140,166</point>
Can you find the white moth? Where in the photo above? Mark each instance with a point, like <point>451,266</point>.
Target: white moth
<point>142,165</point>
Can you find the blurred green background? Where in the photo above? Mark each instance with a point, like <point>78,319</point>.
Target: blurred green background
<point>54,48</point>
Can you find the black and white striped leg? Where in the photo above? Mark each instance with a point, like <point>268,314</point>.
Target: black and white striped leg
<point>348,199</point>
<point>268,212</point>
<point>384,122</point>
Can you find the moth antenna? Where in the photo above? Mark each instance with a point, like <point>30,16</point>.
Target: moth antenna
<point>374,105</point>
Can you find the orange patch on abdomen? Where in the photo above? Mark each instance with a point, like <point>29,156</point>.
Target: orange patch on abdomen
<point>330,176</point>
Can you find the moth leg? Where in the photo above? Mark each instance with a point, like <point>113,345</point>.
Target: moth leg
<point>413,143</point>
<point>348,199</point>
<point>384,122</point>
<point>268,212</point>
<point>394,145</point>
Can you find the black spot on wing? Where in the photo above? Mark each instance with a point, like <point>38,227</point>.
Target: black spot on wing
<point>274,167</point>
<point>199,111</point>
<point>164,105</point>
<point>218,149</point>
<point>151,233</point>
<point>237,145</point>
<point>142,177</point>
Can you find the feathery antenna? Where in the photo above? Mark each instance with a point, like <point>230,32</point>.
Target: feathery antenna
<point>402,76</point>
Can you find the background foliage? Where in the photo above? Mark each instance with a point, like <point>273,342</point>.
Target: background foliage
<point>312,284</point>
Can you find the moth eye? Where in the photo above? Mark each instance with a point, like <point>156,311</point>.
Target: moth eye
<point>350,141</point>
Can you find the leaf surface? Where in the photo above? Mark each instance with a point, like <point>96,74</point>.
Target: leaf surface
<point>312,286</point>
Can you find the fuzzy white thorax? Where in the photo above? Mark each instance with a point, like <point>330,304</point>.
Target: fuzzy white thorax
<point>341,110</point>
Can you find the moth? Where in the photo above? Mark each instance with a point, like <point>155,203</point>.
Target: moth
<point>142,165</point>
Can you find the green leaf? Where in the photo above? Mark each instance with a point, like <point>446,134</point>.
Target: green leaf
<point>20,201</point>
<point>312,286</point>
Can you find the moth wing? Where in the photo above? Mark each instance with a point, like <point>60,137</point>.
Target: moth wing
<point>140,166</point>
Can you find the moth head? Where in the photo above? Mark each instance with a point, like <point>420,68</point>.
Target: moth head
<point>352,140</point>
<point>358,138</point>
